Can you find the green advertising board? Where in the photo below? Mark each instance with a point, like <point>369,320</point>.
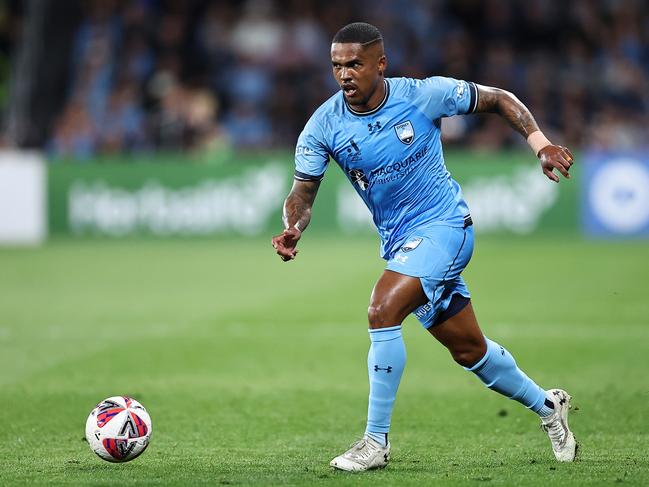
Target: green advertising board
<point>506,193</point>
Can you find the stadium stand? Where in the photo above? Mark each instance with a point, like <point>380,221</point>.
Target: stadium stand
<point>149,75</point>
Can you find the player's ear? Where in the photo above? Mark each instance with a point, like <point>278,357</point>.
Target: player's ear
<point>383,64</point>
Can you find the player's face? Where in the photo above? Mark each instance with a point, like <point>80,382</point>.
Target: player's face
<point>359,73</point>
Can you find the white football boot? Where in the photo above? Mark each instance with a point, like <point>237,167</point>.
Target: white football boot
<point>365,454</point>
<point>555,425</point>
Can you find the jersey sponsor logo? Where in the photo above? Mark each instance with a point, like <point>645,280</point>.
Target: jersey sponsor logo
<point>400,169</point>
<point>304,150</point>
<point>412,245</point>
<point>358,177</point>
<point>405,132</point>
<point>374,127</point>
<point>354,152</point>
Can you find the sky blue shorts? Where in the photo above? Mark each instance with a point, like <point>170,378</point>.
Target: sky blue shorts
<point>437,255</point>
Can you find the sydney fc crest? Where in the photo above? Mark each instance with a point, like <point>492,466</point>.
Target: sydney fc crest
<point>412,245</point>
<point>405,132</point>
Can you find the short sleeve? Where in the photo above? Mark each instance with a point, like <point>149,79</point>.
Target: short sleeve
<point>311,154</point>
<point>444,97</point>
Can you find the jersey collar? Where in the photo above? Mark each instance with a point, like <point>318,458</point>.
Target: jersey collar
<point>375,109</point>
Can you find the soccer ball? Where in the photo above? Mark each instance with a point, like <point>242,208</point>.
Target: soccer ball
<point>118,429</point>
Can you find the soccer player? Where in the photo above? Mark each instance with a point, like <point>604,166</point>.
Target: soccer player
<point>385,135</point>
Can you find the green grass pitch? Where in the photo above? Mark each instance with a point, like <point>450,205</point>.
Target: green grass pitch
<point>254,370</point>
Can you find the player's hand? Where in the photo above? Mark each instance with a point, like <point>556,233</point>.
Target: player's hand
<point>556,157</point>
<point>286,242</point>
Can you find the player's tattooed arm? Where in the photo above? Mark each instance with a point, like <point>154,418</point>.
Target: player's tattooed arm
<point>495,100</point>
<point>297,207</point>
<point>296,217</point>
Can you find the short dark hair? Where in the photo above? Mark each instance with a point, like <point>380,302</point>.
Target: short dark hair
<point>358,33</point>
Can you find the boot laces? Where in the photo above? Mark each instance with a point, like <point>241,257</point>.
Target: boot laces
<point>361,450</point>
<point>555,431</point>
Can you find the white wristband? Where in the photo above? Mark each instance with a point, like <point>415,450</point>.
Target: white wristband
<point>537,141</point>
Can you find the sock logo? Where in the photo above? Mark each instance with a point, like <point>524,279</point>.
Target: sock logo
<point>387,369</point>
<point>502,351</point>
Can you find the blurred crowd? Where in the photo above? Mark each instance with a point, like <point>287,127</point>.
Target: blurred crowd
<point>200,75</point>
<point>10,24</point>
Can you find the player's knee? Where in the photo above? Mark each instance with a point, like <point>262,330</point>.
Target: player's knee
<point>465,358</point>
<point>469,354</point>
<point>380,316</point>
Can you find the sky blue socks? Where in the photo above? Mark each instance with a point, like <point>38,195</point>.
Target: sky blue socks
<point>499,372</point>
<point>385,363</point>
<point>387,359</point>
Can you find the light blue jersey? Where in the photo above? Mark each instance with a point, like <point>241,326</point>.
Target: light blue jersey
<point>393,154</point>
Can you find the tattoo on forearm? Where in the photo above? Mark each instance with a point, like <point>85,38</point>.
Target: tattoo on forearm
<point>499,101</point>
<point>297,207</point>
